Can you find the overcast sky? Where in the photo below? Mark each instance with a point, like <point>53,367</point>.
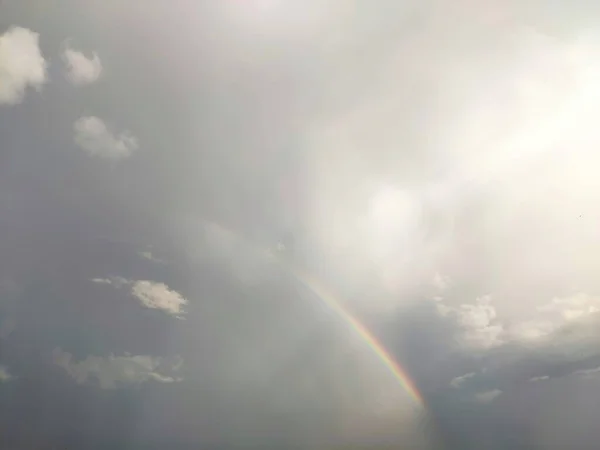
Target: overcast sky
<point>434,164</point>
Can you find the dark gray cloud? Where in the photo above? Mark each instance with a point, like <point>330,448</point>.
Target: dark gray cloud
<point>431,163</point>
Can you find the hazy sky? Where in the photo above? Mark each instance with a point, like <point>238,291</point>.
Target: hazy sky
<point>432,163</point>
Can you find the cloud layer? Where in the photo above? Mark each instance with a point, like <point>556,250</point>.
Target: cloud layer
<point>431,166</point>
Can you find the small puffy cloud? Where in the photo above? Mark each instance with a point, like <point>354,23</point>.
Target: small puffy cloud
<point>5,375</point>
<point>92,135</point>
<point>459,381</point>
<point>151,294</point>
<point>540,378</point>
<point>114,371</point>
<point>159,296</point>
<point>487,396</point>
<point>81,70</point>
<point>22,64</point>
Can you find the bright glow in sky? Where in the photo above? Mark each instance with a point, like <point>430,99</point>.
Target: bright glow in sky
<point>391,212</point>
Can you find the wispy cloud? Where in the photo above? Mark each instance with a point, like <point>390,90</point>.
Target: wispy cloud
<point>487,396</point>
<point>22,64</point>
<point>96,138</point>
<point>540,378</point>
<point>112,371</point>
<point>147,254</point>
<point>116,282</point>
<point>588,372</point>
<point>459,381</point>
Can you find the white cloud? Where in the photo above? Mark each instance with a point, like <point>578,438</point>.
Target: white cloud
<point>541,378</point>
<point>458,381</point>
<point>478,322</point>
<point>554,315</point>
<point>487,396</point>
<point>22,64</point>
<point>112,371</point>
<point>159,296</point>
<point>97,139</point>
<point>5,375</point>
<point>81,70</point>
<point>574,307</point>
<point>149,293</point>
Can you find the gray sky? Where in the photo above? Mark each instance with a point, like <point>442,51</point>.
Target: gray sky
<point>431,163</point>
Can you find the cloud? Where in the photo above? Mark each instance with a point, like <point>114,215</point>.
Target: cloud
<point>478,322</point>
<point>540,378</point>
<point>441,282</point>
<point>114,371</point>
<point>102,281</point>
<point>116,282</point>
<point>95,137</point>
<point>531,330</point>
<point>147,254</point>
<point>22,64</point>
<point>458,381</point>
<point>573,307</point>
<point>81,70</point>
<point>151,294</point>
<point>159,296</point>
<point>551,317</point>
<point>244,260</point>
<point>487,396</point>
<point>587,372</point>
<point>5,375</point>
<point>444,102</point>
<point>478,325</point>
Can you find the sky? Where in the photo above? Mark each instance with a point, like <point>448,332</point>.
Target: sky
<point>168,170</point>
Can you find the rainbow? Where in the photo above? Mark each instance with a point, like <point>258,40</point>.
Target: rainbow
<point>336,306</point>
